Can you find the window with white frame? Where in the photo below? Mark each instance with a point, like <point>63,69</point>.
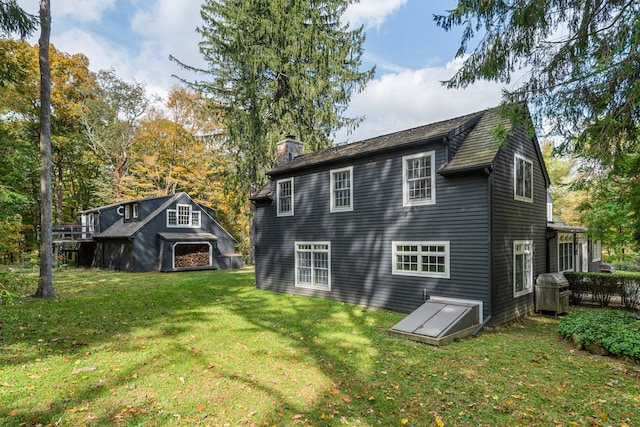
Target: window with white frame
<point>127,211</point>
<point>284,197</point>
<point>565,252</point>
<point>341,189</point>
<point>134,210</point>
<point>183,216</point>
<point>426,259</point>
<point>522,267</point>
<point>418,179</point>
<point>596,249</point>
<point>313,265</point>
<point>522,179</point>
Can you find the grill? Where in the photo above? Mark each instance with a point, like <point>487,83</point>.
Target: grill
<point>552,293</point>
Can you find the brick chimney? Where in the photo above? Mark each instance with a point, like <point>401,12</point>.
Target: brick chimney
<point>288,149</point>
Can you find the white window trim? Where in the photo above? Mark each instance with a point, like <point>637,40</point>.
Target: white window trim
<point>127,211</point>
<point>516,196</point>
<point>173,252</point>
<point>526,289</point>
<point>596,249</point>
<point>405,186</point>
<point>447,263</point>
<point>564,239</point>
<point>335,208</point>
<point>326,287</point>
<point>134,211</point>
<point>278,182</point>
<point>191,214</point>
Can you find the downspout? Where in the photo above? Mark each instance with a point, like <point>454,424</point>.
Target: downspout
<point>484,322</point>
<point>487,172</point>
<point>548,250</point>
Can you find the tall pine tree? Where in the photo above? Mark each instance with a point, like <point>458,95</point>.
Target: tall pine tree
<point>577,62</point>
<point>278,67</point>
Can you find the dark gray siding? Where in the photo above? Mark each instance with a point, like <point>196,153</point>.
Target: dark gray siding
<point>144,250</point>
<point>108,217</point>
<point>552,253</point>
<point>114,254</point>
<point>361,240</point>
<point>515,220</point>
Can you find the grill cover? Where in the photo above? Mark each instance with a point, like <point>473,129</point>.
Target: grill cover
<point>552,280</point>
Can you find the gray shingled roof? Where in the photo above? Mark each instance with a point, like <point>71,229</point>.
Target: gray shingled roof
<point>480,147</point>
<point>477,151</point>
<point>369,146</point>
<point>187,236</point>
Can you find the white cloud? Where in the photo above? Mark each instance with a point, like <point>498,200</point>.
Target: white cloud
<point>102,53</point>
<point>410,98</point>
<point>81,10</point>
<point>167,27</point>
<point>371,13</point>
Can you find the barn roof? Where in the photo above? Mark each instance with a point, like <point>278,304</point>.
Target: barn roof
<point>128,229</point>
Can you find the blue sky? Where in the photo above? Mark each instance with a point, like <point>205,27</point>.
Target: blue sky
<point>412,55</point>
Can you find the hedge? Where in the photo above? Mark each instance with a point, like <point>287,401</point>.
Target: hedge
<point>601,287</point>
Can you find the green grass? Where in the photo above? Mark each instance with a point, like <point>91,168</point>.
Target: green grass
<point>207,348</point>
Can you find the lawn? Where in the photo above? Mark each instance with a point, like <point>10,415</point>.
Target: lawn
<point>207,348</point>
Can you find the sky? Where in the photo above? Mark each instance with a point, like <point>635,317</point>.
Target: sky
<point>412,55</point>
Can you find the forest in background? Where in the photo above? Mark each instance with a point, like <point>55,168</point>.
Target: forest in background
<point>111,141</point>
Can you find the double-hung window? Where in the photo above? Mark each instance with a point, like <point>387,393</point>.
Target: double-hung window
<point>183,216</point>
<point>522,179</point>
<point>284,196</point>
<point>127,211</point>
<point>565,252</point>
<point>342,189</point>
<point>596,250</point>
<point>426,259</point>
<point>418,179</point>
<point>313,265</point>
<point>522,267</point>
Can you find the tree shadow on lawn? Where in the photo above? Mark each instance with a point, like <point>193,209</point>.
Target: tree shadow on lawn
<point>102,312</point>
<point>338,357</point>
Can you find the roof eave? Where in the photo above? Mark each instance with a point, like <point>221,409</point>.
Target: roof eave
<point>282,170</point>
<point>466,170</point>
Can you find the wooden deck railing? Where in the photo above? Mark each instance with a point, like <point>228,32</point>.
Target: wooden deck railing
<point>69,233</point>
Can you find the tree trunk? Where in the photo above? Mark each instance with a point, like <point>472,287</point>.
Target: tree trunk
<point>58,199</point>
<point>45,284</point>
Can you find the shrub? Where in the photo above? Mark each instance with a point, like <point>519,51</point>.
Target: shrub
<point>603,286</point>
<point>625,264</point>
<point>618,332</point>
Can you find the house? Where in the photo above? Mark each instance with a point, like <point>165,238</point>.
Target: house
<point>569,249</point>
<point>169,233</point>
<point>441,213</point>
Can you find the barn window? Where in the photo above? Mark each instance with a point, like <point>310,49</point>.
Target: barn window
<point>523,179</point>
<point>426,259</point>
<point>183,216</point>
<point>313,265</point>
<point>418,183</point>
<point>522,267</point>
<point>192,255</point>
